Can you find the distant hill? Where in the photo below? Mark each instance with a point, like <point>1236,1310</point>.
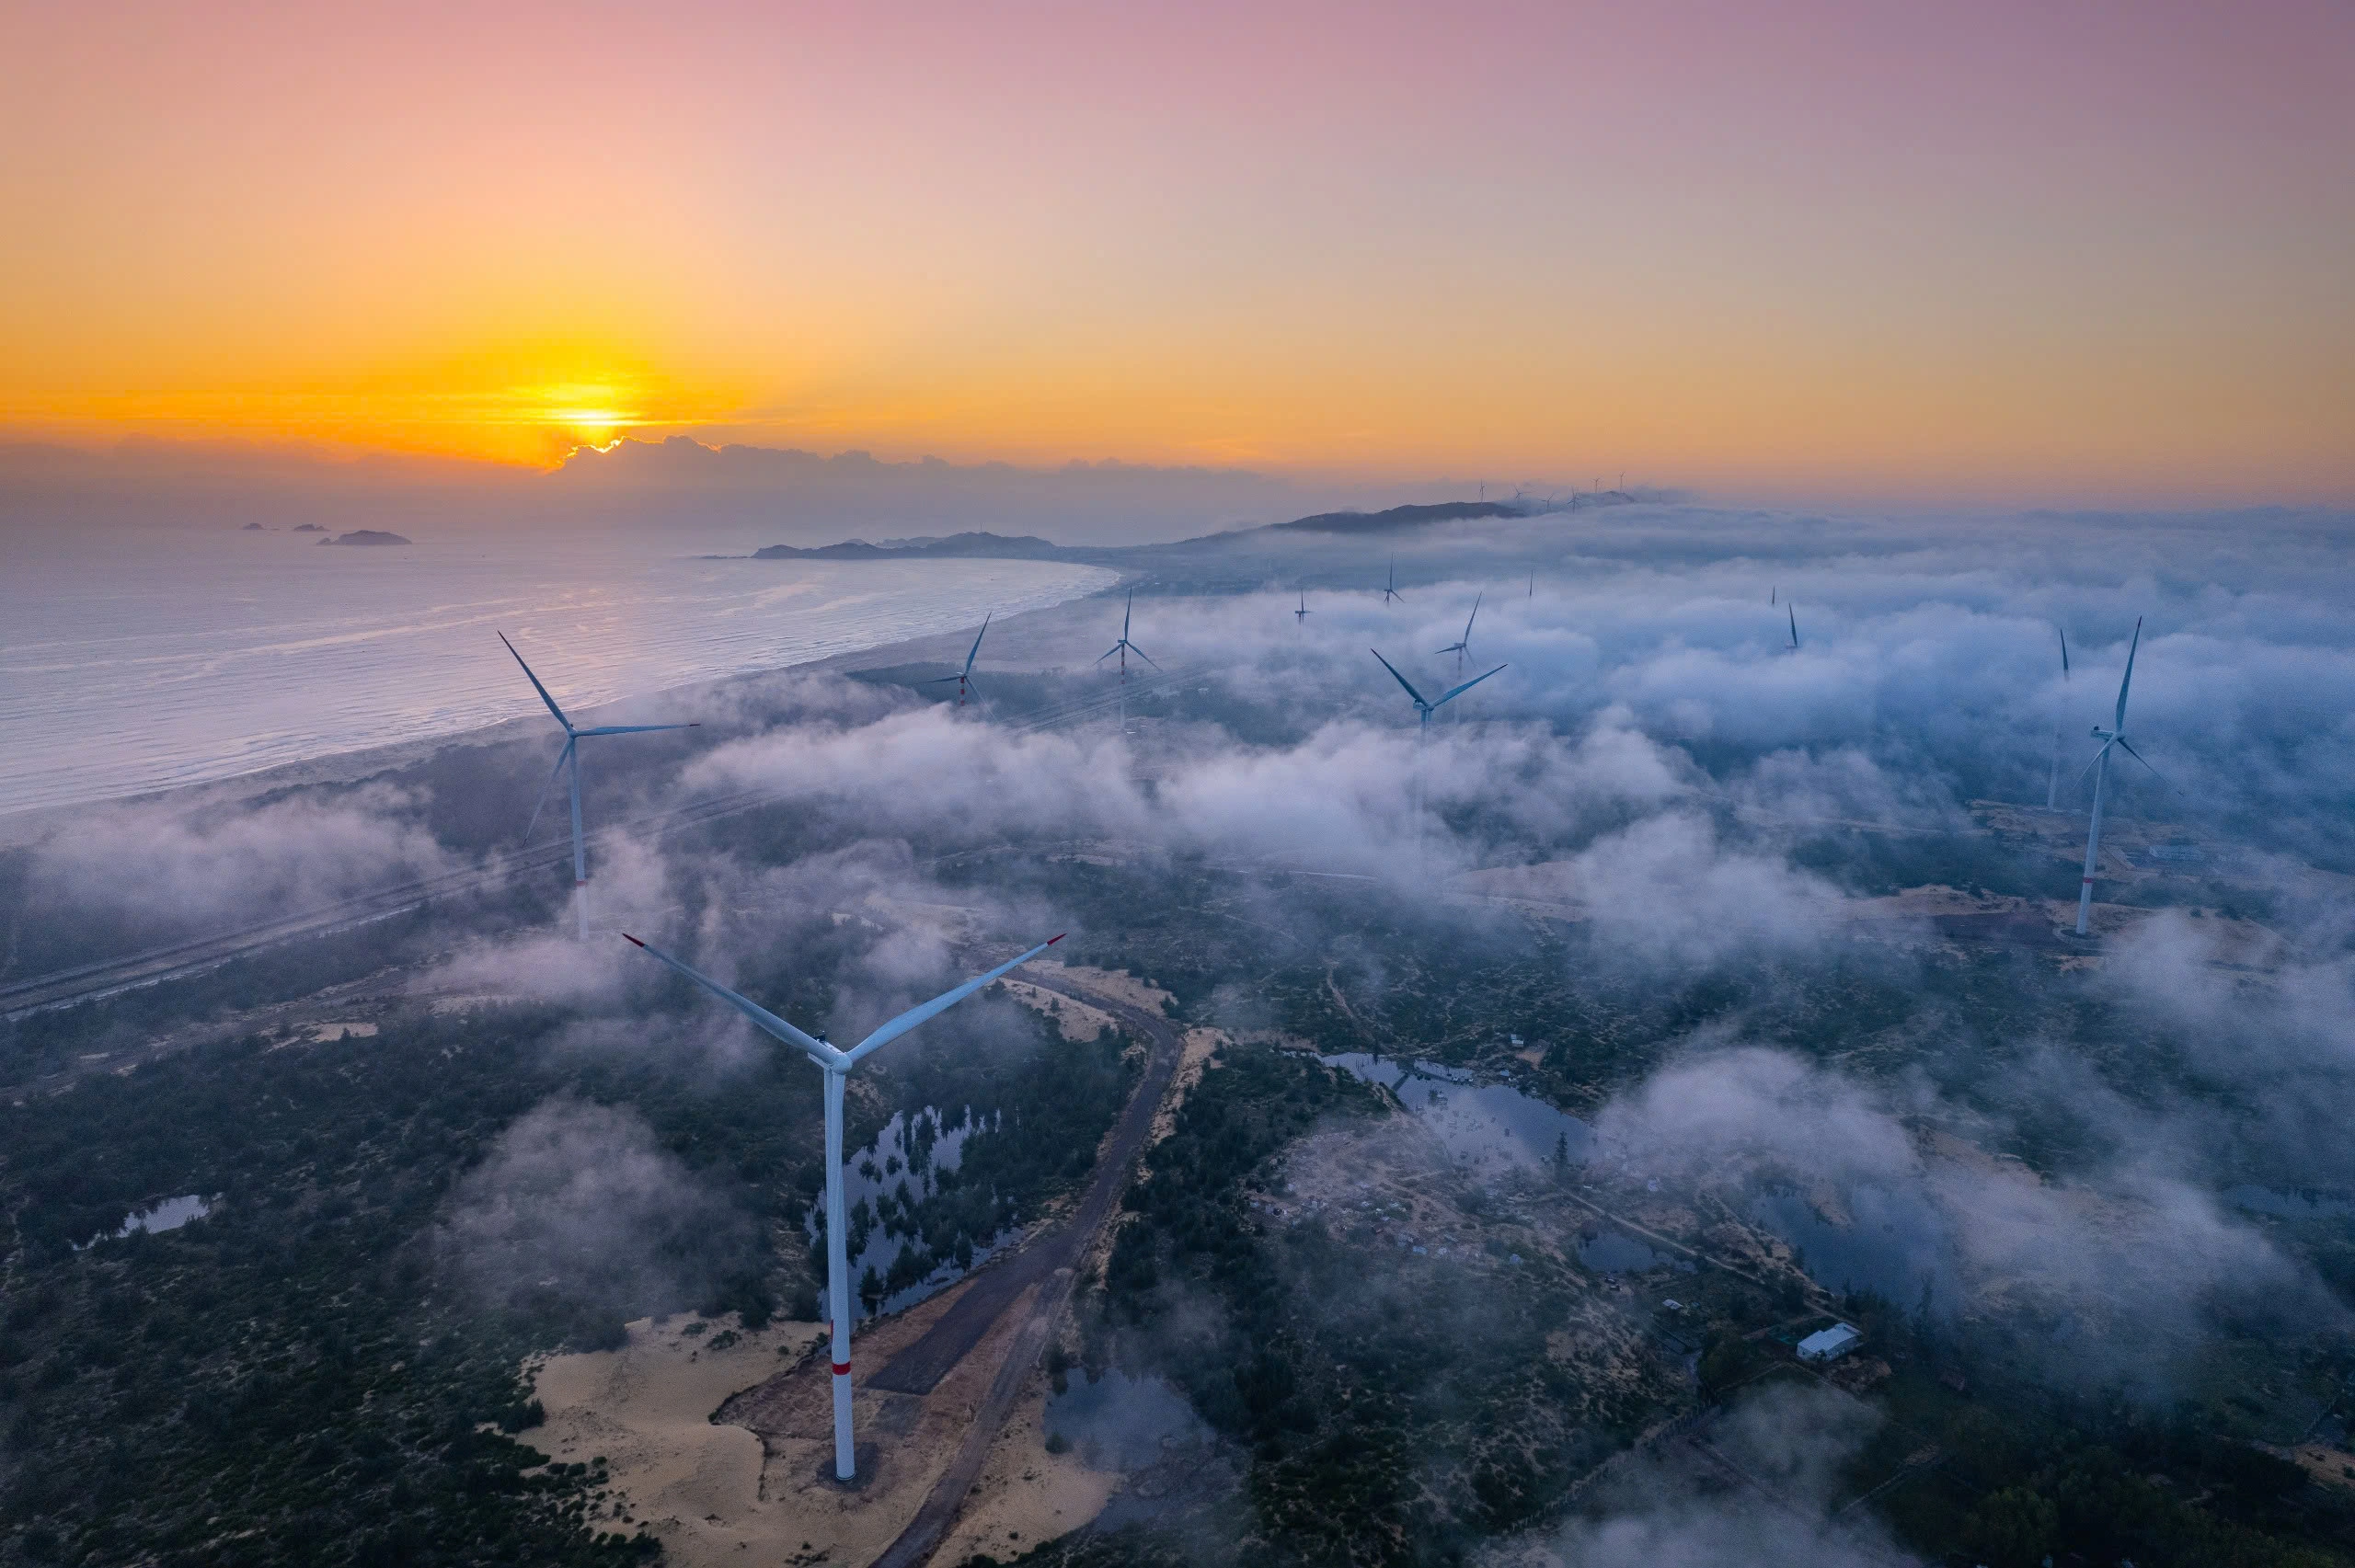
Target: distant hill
<point>962,546</point>
<point>365,536</point>
<point>1398,517</point>
<point>1029,547</point>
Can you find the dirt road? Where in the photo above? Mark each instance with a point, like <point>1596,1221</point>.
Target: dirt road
<point>1051,1259</point>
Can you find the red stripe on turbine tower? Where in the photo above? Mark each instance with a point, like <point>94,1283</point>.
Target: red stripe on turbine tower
<point>841,1369</point>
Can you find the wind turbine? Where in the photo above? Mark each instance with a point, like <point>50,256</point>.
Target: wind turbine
<point>2052,784</point>
<point>836,1065</point>
<point>569,759</point>
<point>1390,590</point>
<point>1794,626</point>
<point>2099,767</point>
<point>1125,648</point>
<point>1462,647</point>
<point>1300,616</point>
<point>964,678</point>
<point>1424,709</point>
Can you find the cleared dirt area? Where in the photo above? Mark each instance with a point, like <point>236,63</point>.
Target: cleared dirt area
<point>1026,1494</point>
<point>1075,1019</point>
<point>647,1410</point>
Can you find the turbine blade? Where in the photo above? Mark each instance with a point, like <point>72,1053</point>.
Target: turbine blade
<point>1143,655</point>
<point>976,653</point>
<point>2128,747</point>
<point>541,805</point>
<point>1132,610</point>
<point>2097,761</point>
<point>1107,653</point>
<point>817,1050</point>
<point>534,680</point>
<point>1459,690</point>
<point>1794,624</point>
<point>2064,651</point>
<point>636,728</point>
<point>1395,676</point>
<point>1469,618</point>
<point>940,1005</point>
<point>2131,650</point>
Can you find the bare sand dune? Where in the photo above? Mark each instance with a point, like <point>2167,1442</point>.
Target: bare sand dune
<point>647,1408</point>
<point>1076,1020</point>
<point>1026,1494</point>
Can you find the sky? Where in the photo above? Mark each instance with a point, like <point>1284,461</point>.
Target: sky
<point>2010,252</point>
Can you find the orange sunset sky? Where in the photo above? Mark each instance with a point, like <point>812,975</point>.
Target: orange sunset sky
<point>2049,251</point>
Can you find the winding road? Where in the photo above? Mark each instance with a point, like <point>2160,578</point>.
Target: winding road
<point>1051,1260</point>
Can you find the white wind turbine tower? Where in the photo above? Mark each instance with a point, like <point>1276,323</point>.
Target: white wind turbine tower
<point>570,760</point>
<point>1125,648</point>
<point>964,678</point>
<point>836,1065</point>
<point>2099,767</point>
<point>1462,646</point>
<point>2060,732</point>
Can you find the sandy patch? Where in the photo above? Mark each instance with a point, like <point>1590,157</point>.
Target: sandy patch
<point>1026,1494</point>
<point>1193,1058</point>
<point>2323,1465</point>
<point>1117,984</point>
<point>647,1408</point>
<point>1076,1020</point>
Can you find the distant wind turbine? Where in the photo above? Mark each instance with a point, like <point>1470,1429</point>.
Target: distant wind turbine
<point>1794,626</point>
<point>1390,590</point>
<point>964,678</point>
<point>1424,709</point>
<point>570,760</point>
<point>1125,648</point>
<point>836,1065</point>
<point>1771,593</point>
<point>1300,616</point>
<point>2060,732</point>
<point>1462,646</point>
<point>2099,767</point>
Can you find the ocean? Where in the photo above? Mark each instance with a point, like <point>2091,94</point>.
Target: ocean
<point>138,660</point>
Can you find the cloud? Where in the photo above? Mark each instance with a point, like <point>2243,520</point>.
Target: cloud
<point>577,1209</point>
<point>2125,1263</point>
<point>1674,1509</point>
<point>163,867</point>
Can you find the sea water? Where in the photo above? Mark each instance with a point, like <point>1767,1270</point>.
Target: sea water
<point>138,660</point>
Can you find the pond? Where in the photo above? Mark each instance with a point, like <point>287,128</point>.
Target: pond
<point>1613,1251</point>
<point>1488,1129</point>
<point>168,1215</point>
<point>1895,1242</point>
<point>904,1165</point>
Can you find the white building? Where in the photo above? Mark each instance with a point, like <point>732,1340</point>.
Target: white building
<point>1829,1345</point>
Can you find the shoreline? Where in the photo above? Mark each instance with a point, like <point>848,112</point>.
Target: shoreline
<point>33,824</point>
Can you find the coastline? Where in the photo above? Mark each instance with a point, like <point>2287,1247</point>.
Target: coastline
<point>1035,631</point>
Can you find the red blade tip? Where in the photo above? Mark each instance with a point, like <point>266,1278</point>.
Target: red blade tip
<point>1057,937</point>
